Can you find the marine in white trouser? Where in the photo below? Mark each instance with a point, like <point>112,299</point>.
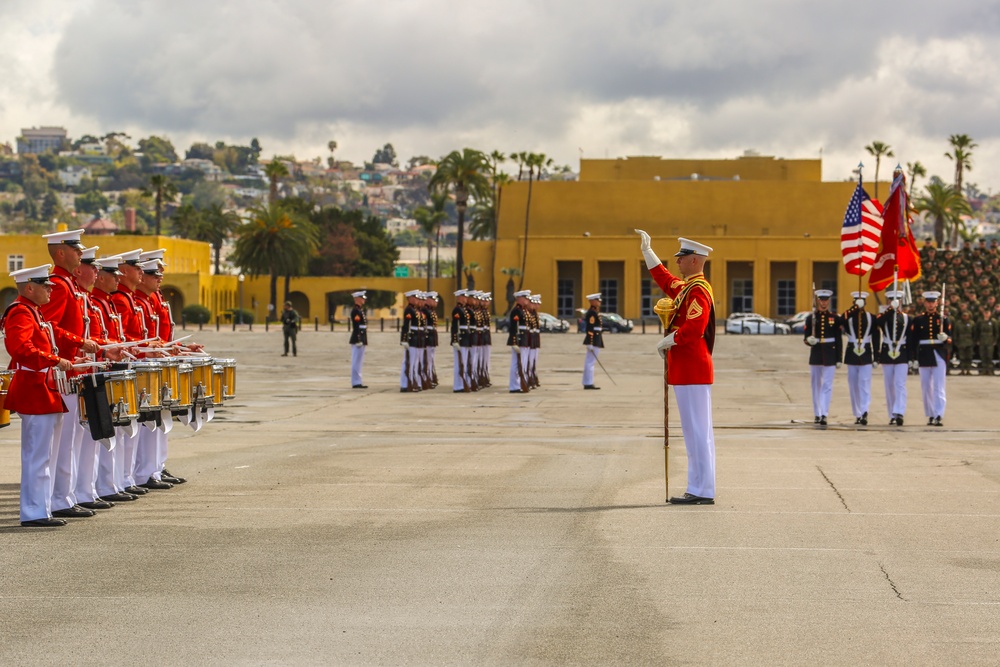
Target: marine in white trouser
<point>517,340</point>
<point>823,336</point>
<point>359,338</point>
<point>410,339</point>
<point>928,338</point>
<point>593,339</point>
<point>893,356</point>
<point>859,355</point>
<point>460,341</point>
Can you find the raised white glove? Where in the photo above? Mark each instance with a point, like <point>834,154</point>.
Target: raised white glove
<point>860,303</point>
<point>647,251</point>
<point>894,303</point>
<point>942,336</point>
<point>405,344</point>
<point>516,349</point>
<point>839,364</point>
<point>359,344</point>
<point>812,340</point>
<point>665,344</point>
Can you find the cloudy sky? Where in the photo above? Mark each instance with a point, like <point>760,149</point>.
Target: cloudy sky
<point>676,78</point>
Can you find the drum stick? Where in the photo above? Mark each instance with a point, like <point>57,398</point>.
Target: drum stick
<point>177,340</point>
<point>132,343</point>
<point>90,364</point>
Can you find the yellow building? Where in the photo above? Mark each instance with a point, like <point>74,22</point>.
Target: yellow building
<point>773,223</point>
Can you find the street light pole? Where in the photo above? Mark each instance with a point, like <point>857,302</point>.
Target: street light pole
<point>241,278</point>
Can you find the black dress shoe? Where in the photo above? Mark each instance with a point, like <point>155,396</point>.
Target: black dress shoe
<point>930,421</point>
<point>892,422</point>
<point>359,386</point>
<point>822,420</point>
<point>590,386</point>
<point>119,497</point>
<point>156,484</point>
<point>136,491</point>
<point>688,499</point>
<point>97,505</point>
<point>816,419</point>
<point>863,420</point>
<point>172,479</point>
<point>43,523</point>
<point>74,512</point>
<point>857,420</point>
<point>937,421</point>
<point>899,420</point>
<point>515,391</point>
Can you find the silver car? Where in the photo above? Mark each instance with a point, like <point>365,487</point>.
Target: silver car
<point>752,323</point>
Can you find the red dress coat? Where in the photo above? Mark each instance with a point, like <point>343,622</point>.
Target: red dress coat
<point>150,314</point>
<point>131,315</point>
<point>689,360</point>
<point>166,323</point>
<point>65,311</point>
<point>31,392</point>
<point>111,322</point>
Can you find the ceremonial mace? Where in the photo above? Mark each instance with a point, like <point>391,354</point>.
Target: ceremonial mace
<point>664,308</point>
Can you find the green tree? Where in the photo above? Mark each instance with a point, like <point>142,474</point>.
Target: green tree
<point>275,242</point>
<point>386,155</point>
<point>914,170</point>
<point>463,173</point>
<point>536,163</point>
<point>331,161</point>
<point>156,150</point>
<point>50,206</point>
<point>91,202</point>
<point>878,149</point>
<point>945,206</point>
<point>961,153</point>
<point>275,171</point>
<point>430,221</point>
<point>254,150</point>
<point>199,151</point>
<point>162,190</point>
<point>212,225</point>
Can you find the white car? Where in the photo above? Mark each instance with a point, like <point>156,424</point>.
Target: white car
<point>752,323</point>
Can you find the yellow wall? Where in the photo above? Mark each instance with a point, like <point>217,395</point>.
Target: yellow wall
<point>647,168</point>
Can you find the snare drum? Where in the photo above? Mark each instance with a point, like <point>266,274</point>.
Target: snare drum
<point>5,378</point>
<point>202,386</point>
<point>177,380</point>
<point>121,395</point>
<point>218,381</point>
<point>228,378</point>
<point>148,385</point>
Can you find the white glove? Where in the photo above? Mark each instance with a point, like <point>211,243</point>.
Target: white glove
<point>647,251</point>
<point>666,344</point>
<point>914,365</point>
<point>456,346</point>
<point>812,340</point>
<point>860,303</point>
<point>942,336</point>
<point>875,364</point>
<point>894,303</point>
<point>405,344</point>
<point>839,364</point>
<point>359,344</point>
<point>516,349</point>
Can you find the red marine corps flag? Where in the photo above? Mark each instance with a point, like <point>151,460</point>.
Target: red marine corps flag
<point>899,250</point>
<point>861,231</point>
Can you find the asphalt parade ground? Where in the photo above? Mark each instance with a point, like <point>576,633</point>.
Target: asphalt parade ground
<point>328,526</point>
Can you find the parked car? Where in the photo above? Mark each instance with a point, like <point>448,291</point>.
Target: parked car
<point>798,322</point>
<point>752,323</point>
<point>546,323</point>
<point>612,322</point>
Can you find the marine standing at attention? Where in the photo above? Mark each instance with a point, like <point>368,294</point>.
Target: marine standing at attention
<point>823,335</point>
<point>359,338</point>
<point>593,338</point>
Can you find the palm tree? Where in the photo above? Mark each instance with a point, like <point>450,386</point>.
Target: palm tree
<point>275,171</point>
<point>430,221</point>
<point>536,163</point>
<point>913,170</point>
<point>332,145</point>
<point>212,226</point>
<point>274,242</point>
<point>945,206</point>
<point>464,173</point>
<point>961,153</point>
<point>162,189</point>
<point>878,149</point>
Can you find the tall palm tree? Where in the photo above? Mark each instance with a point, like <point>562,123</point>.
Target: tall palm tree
<point>945,206</point>
<point>914,170</point>
<point>212,226</point>
<point>463,173</point>
<point>961,153</point>
<point>536,163</point>
<point>878,149</point>
<point>275,171</point>
<point>162,189</point>
<point>430,221</point>
<point>274,242</point>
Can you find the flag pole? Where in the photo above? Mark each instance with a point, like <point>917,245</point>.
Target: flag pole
<point>860,235</point>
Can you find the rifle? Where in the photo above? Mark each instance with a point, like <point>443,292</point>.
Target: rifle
<point>520,374</point>
<point>425,380</point>
<point>461,371</point>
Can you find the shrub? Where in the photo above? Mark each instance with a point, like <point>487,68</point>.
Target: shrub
<point>196,314</point>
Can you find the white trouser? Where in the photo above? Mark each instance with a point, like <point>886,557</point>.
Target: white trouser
<point>408,371</point>
<point>431,368</point>
<point>532,360</point>
<point>822,388</point>
<point>357,360</point>
<point>461,356</point>
<point>894,378</point>
<point>474,354</point>
<point>161,451</point>
<point>694,403</point>
<point>39,440</point>
<point>146,456</point>
<point>859,384</point>
<point>67,456</point>
<point>107,480</point>
<point>86,472</point>
<point>588,365</point>
<point>487,354</point>
<point>932,388</point>
<point>128,444</point>
<point>514,383</point>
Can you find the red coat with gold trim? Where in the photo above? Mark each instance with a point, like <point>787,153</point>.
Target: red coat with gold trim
<point>31,392</point>
<point>689,360</point>
<point>65,310</point>
<point>132,321</point>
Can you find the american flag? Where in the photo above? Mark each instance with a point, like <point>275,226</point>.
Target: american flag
<point>860,234</point>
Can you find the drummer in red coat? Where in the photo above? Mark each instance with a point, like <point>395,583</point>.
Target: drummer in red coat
<point>31,344</point>
<point>689,342</point>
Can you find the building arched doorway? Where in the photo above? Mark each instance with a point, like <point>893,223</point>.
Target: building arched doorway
<point>300,302</point>
<point>175,298</point>
<point>7,296</point>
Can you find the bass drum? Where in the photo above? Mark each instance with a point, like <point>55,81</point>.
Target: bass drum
<point>5,378</point>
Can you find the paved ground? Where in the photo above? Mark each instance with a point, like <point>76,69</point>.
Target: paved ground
<point>326,526</point>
